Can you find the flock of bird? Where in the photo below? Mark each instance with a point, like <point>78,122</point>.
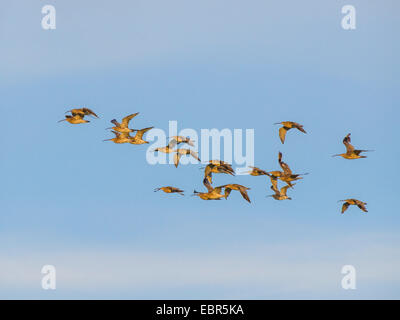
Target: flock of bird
<point>122,134</point>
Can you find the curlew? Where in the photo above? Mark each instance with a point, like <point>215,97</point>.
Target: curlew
<point>287,125</point>
<point>257,172</point>
<point>170,189</point>
<point>280,194</point>
<point>351,153</point>
<point>120,137</point>
<point>76,119</point>
<point>169,148</point>
<point>242,189</point>
<point>181,139</point>
<point>287,175</point>
<point>83,112</point>
<point>179,152</point>
<point>349,202</point>
<point>138,138</point>
<point>123,126</point>
<point>212,194</point>
<point>217,167</point>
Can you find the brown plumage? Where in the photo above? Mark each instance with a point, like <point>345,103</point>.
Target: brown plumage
<point>120,137</point>
<point>280,194</point>
<point>76,119</point>
<point>123,126</point>
<point>217,166</point>
<point>170,189</point>
<point>83,112</point>
<point>242,189</point>
<point>212,194</point>
<point>349,202</point>
<point>179,152</point>
<point>351,153</point>
<point>287,125</point>
<point>138,138</point>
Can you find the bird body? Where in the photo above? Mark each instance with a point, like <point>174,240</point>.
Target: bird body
<point>138,138</point>
<point>217,167</point>
<point>76,119</point>
<point>120,137</point>
<point>212,194</point>
<point>170,189</point>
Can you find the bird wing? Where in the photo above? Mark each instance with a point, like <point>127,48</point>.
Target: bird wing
<point>345,206</point>
<point>362,207</point>
<point>140,133</point>
<point>285,167</point>
<point>274,181</point>
<point>208,185</point>
<point>89,111</point>
<point>172,144</point>
<point>348,145</point>
<point>177,157</point>
<point>227,192</point>
<point>173,189</point>
<point>195,155</point>
<point>117,134</point>
<point>282,133</point>
<point>299,127</point>
<point>284,190</point>
<point>125,120</point>
<point>244,194</point>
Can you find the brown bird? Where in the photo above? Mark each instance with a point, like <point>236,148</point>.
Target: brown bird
<point>217,167</point>
<point>169,148</point>
<point>355,202</point>
<point>280,194</point>
<point>288,175</point>
<point>181,139</point>
<point>170,190</point>
<point>138,138</point>
<point>242,189</point>
<point>83,112</point>
<point>212,194</point>
<point>351,153</point>
<point>180,152</point>
<point>120,137</point>
<point>257,172</point>
<point>287,125</point>
<point>123,126</point>
<point>76,119</point>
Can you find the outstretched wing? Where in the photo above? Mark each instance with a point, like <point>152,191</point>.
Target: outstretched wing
<point>172,144</point>
<point>284,190</point>
<point>88,111</point>
<point>285,167</point>
<point>195,155</point>
<point>244,194</point>
<point>298,126</point>
<point>208,185</point>
<point>141,132</point>
<point>345,206</point>
<point>125,121</point>
<point>282,133</point>
<point>177,157</point>
<point>348,145</point>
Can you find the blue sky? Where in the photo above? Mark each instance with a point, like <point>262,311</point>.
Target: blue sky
<point>88,206</point>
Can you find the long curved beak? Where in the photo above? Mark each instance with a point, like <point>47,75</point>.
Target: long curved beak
<point>336,155</point>
<point>61,120</point>
<point>278,123</point>
<point>156,189</point>
<point>107,140</point>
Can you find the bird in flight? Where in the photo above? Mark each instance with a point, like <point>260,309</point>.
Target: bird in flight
<point>212,194</point>
<point>123,126</point>
<point>138,137</point>
<point>280,194</point>
<point>217,166</point>
<point>83,112</point>
<point>181,139</point>
<point>349,202</point>
<point>287,125</point>
<point>76,119</point>
<point>180,152</point>
<point>242,189</point>
<point>351,153</point>
<point>120,137</point>
<point>170,190</point>
<point>288,176</point>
